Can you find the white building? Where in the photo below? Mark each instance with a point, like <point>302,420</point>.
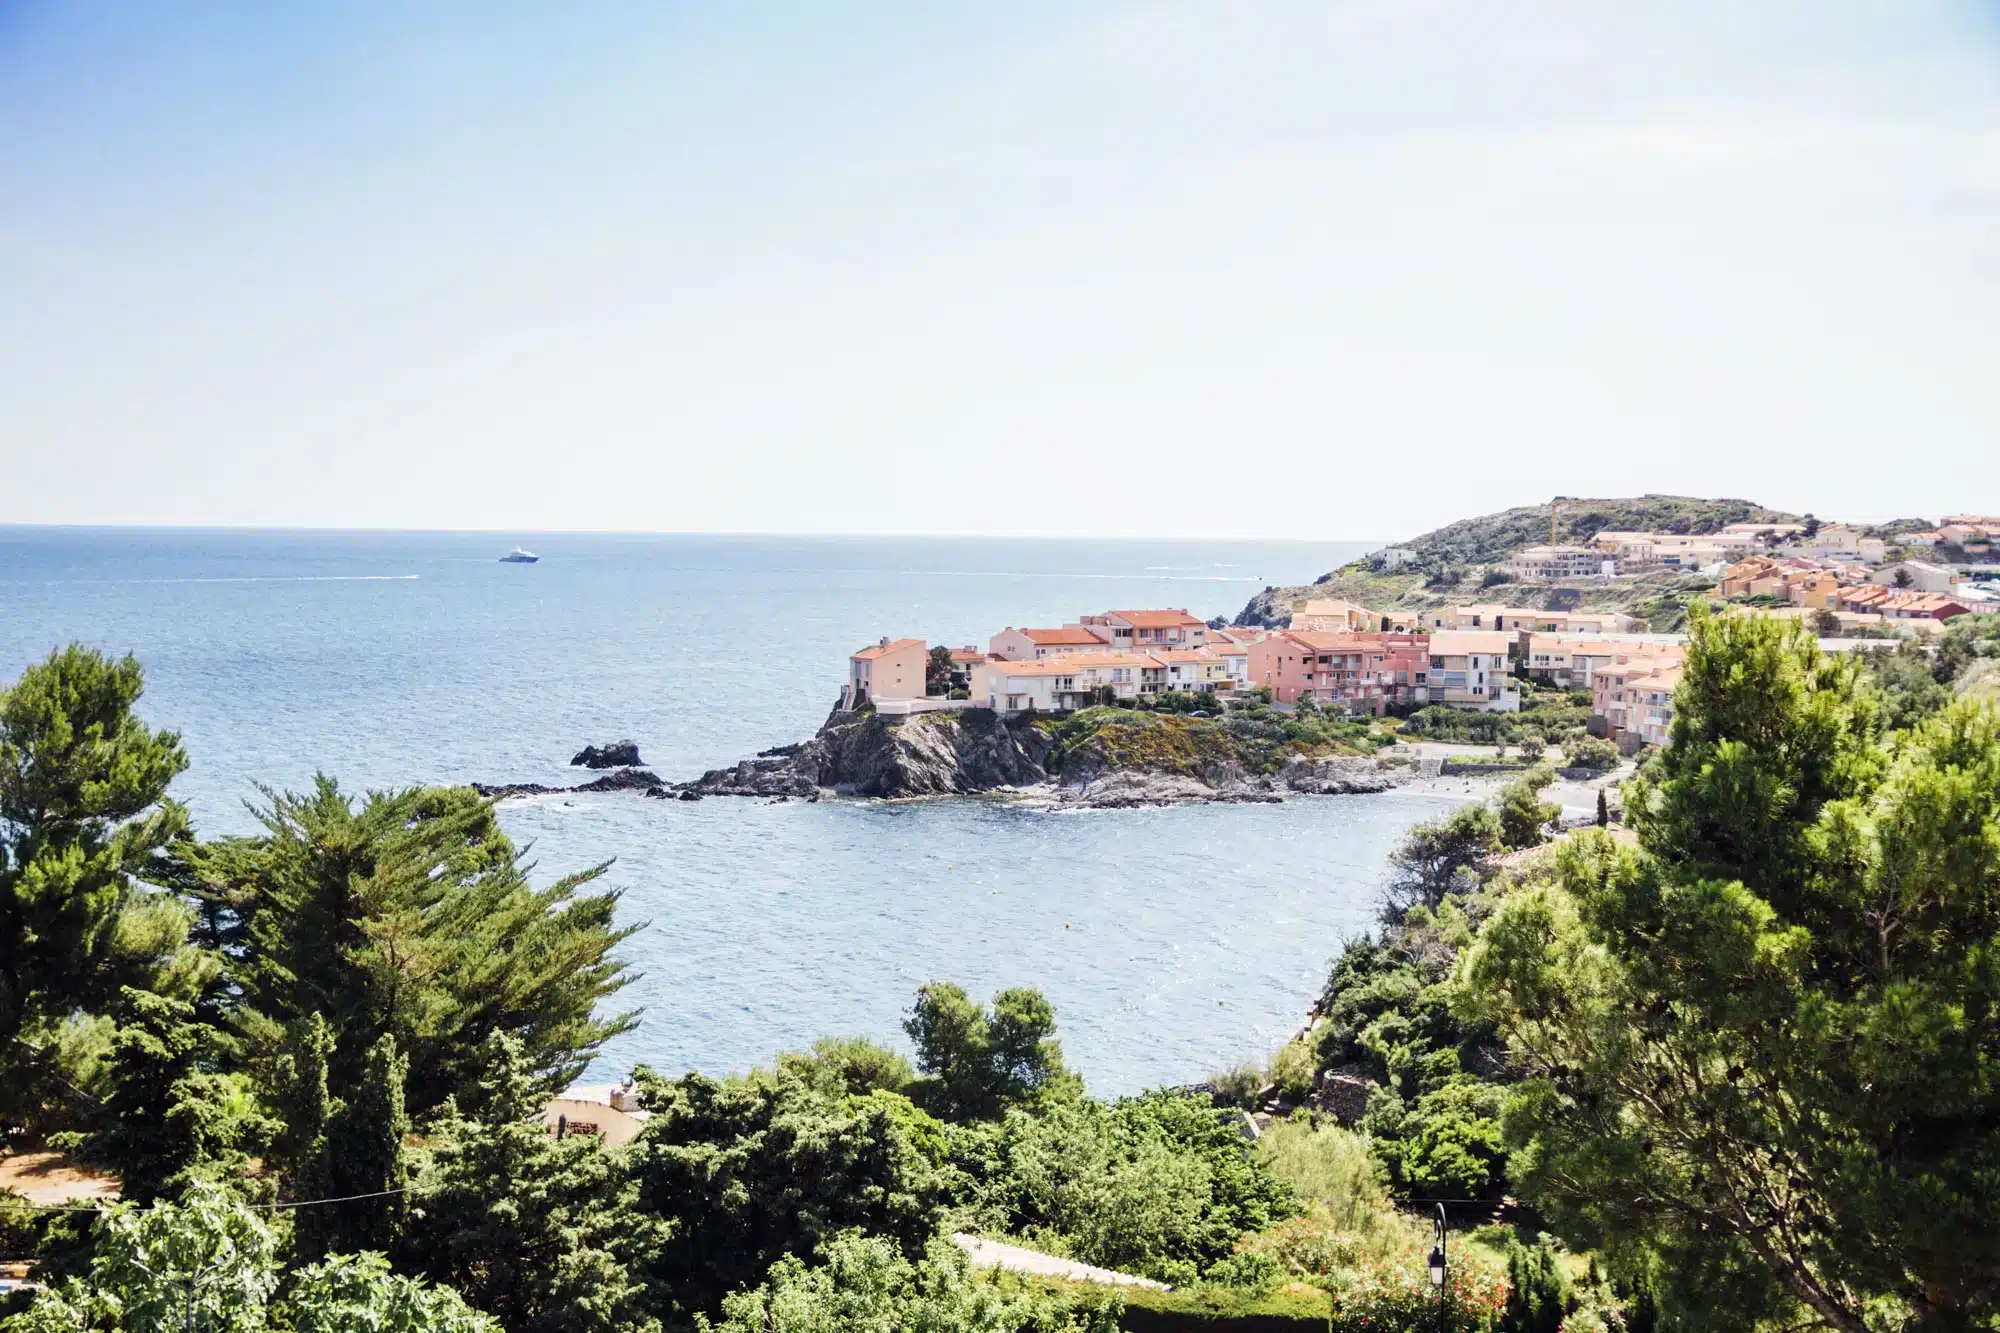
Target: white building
<point>1556,564</point>
<point>1922,576</point>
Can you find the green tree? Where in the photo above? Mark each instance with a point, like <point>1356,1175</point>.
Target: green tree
<point>1158,1184</point>
<point>1910,692</point>
<point>84,818</point>
<point>409,915</point>
<point>1438,858</point>
<point>210,1263</point>
<point>172,1114</point>
<point>937,671</point>
<point>1759,1044</point>
<point>1524,816</point>
<point>742,1172</point>
<point>978,1062</point>
<point>1537,1293</point>
<point>361,1154</point>
<point>537,1231</point>
<point>856,1065</point>
<point>359,1293</point>
<point>865,1285</point>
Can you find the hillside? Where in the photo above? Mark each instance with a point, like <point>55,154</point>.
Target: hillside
<point>1458,563</point>
<point>1491,538</point>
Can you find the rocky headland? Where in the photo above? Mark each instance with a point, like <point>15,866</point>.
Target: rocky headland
<point>1101,758</point>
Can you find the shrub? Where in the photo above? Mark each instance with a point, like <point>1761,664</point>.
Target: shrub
<point>1239,1084</point>
<point>1397,1295</point>
<point>1588,752</point>
<point>1331,1169</point>
<point>1291,1070</point>
<point>1158,1185</point>
<point>864,1283</point>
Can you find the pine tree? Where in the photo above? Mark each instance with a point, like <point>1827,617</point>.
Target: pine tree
<point>1603,810</point>
<point>366,1153</point>
<point>172,1116</point>
<point>409,915</point>
<point>83,821</point>
<point>539,1232</point>
<point>1760,1044</point>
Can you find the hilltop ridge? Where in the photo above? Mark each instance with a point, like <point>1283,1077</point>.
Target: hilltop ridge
<point>1460,561</point>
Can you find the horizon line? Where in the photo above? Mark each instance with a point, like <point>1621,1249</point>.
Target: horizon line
<point>911,534</point>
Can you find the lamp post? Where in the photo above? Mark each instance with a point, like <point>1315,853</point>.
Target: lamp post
<point>1437,1264</point>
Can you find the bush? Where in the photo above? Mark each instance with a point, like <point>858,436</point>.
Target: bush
<point>1239,1084</point>
<point>1589,752</point>
<point>1291,1070</point>
<point>1331,1169</point>
<point>1158,1185</point>
<point>864,1283</point>
<point>1397,1295</point>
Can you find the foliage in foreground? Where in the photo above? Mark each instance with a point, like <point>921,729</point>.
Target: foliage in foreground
<point>1760,1046</point>
<point>863,1284</point>
<point>211,1263</point>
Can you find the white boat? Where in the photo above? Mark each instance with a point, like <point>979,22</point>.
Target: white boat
<point>517,556</point>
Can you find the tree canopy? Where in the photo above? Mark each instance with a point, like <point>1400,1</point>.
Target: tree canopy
<point>1760,1045</point>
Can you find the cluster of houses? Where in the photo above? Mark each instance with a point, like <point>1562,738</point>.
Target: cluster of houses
<point>1610,554</point>
<point>1336,654</point>
<point>1976,534</point>
<point>1909,590</point>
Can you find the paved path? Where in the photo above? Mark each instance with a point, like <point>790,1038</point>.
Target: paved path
<point>993,1254</point>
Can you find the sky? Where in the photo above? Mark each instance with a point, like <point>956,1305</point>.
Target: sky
<point>1291,268</point>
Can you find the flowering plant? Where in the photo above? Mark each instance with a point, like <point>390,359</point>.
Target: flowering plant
<point>1397,1297</point>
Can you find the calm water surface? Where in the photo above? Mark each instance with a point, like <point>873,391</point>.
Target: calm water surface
<point>1172,941</point>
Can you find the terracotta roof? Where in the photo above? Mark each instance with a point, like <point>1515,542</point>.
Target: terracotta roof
<point>967,655</point>
<point>1155,619</point>
<point>875,650</point>
<point>1187,655</point>
<point>1068,634</point>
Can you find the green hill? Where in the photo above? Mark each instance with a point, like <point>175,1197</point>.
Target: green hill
<point>1459,563</point>
<point>1491,538</point>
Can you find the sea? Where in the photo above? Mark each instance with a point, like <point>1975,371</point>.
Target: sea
<point>1173,943</point>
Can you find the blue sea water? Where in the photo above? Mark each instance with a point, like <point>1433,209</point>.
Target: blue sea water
<point>1172,942</point>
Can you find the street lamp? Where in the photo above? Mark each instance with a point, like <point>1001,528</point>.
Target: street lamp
<point>1437,1264</point>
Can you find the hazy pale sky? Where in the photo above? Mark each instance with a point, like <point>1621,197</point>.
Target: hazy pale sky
<point>1293,267</point>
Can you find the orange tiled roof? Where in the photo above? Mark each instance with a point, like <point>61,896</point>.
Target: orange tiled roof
<point>875,650</point>
<point>1155,619</point>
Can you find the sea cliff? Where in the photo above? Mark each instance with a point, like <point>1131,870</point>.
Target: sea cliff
<point>1100,757</point>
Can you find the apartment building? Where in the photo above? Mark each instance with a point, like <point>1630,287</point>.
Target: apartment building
<point>1918,574</point>
<point>1056,684</point>
<point>1633,703</point>
<point>1142,630</point>
<point>1029,645</point>
<point>889,669</point>
<point>1361,672</point>
<point>1572,661</point>
<point>1556,564</point>
<point>1468,669</point>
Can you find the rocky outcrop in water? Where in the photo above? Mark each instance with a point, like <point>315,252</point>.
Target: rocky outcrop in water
<point>866,754</point>
<point>947,754</point>
<point>618,754</point>
<point>625,779</point>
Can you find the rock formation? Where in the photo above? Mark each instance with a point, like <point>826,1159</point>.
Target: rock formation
<point>618,754</point>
